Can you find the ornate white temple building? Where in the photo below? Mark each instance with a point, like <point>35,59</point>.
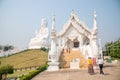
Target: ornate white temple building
<point>71,47</point>
<point>76,44</point>
<point>41,38</point>
<point>75,34</point>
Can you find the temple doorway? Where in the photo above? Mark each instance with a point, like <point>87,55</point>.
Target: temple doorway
<point>76,43</point>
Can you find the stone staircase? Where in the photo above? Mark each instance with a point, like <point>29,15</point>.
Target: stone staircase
<point>67,56</point>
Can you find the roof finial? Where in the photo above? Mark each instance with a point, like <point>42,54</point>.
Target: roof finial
<point>53,22</point>
<point>95,14</point>
<point>73,12</point>
<point>95,21</point>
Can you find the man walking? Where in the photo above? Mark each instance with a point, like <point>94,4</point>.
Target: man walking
<point>100,63</point>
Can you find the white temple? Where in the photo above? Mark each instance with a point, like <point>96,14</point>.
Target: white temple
<point>41,38</point>
<point>72,46</point>
<point>75,34</point>
<point>76,44</point>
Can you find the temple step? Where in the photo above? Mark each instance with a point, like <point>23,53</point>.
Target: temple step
<point>67,57</point>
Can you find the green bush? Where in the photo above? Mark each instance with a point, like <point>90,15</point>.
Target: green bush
<point>0,76</point>
<point>30,75</point>
<point>33,73</point>
<point>6,69</point>
<point>44,49</point>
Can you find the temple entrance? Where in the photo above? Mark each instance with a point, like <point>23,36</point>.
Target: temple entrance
<point>76,43</point>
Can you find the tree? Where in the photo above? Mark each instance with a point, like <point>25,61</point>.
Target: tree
<point>0,47</point>
<point>113,49</point>
<point>44,49</point>
<point>4,70</point>
<point>8,47</point>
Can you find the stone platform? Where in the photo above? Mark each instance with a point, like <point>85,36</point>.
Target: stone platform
<point>111,73</point>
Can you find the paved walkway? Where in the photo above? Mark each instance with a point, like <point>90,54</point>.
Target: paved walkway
<point>112,72</point>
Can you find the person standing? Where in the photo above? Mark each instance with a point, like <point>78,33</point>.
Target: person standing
<point>100,63</point>
<point>90,66</point>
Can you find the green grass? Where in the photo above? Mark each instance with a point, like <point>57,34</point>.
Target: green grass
<point>26,58</point>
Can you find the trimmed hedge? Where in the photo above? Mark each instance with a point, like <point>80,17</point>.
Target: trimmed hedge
<point>33,73</point>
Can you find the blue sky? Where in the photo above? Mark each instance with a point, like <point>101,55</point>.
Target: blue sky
<point>19,19</point>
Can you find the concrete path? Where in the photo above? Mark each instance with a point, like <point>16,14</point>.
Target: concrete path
<point>112,72</point>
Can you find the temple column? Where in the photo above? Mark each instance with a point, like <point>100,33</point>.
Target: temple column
<point>94,46</point>
<point>59,42</point>
<point>53,55</point>
<point>94,36</point>
<point>80,39</point>
<point>100,49</point>
<point>63,43</point>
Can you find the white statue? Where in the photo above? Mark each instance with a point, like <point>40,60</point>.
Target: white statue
<point>41,38</point>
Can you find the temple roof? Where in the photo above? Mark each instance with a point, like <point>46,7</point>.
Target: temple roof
<point>75,21</point>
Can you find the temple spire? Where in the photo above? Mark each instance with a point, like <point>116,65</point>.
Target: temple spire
<point>53,23</point>
<point>43,22</point>
<point>95,21</point>
<point>53,54</point>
